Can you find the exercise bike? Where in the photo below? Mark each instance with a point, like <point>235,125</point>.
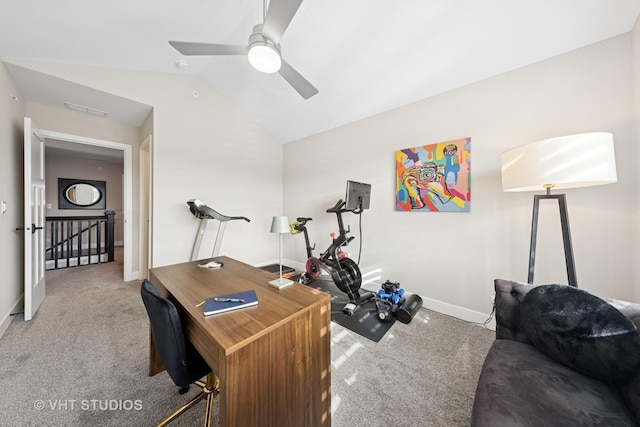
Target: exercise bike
<point>344,271</point>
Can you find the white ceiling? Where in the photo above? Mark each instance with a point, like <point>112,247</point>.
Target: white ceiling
<point>364,56</point>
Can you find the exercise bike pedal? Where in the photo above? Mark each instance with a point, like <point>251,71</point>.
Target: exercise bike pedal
<point>360,298</point>
<point>305,278</point>
<point>349,309</point>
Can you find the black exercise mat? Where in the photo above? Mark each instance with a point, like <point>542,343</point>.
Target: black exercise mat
<point>364,321</point>
<point>275,268</point>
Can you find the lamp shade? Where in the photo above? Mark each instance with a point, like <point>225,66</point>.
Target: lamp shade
<point>280,225</point>
<point>571,161</point>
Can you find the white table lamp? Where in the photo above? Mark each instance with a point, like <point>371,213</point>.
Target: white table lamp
<point>280,225</point>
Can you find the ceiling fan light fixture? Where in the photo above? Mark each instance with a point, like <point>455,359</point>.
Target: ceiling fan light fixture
<point>264,57</point>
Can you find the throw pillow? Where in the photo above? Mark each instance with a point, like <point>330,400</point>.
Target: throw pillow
<point>581,331</point>
<point>631,394</point>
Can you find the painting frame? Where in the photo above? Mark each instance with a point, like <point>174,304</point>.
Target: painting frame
<point>434,177</point>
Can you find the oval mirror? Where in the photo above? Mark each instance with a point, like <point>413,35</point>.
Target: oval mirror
<point>82,194</point>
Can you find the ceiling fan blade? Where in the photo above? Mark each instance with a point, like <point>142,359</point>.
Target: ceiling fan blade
<point>299,83</point>
<point>278,17</point>
<point>192,48</point>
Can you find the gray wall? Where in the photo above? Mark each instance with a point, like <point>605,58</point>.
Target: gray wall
<point>11,247</point>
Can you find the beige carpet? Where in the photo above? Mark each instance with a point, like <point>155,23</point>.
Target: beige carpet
<point>83,361</point>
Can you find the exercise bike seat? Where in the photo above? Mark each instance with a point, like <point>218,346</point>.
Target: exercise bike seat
<point>303,219</point>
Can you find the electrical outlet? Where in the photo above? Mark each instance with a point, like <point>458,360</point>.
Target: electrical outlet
<point>492,299</point>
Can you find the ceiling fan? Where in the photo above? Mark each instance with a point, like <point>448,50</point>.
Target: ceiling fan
<point>263,49</point>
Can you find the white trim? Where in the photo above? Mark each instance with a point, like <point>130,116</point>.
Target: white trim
<point>459,312</point>
<point>145,184</point>
<point>17,308</point>
<point>127,188</point>
<point>73,261</point>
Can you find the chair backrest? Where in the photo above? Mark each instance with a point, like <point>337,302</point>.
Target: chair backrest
<point>168,335</point>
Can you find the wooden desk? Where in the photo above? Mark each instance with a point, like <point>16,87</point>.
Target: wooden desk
<point>273,360</point>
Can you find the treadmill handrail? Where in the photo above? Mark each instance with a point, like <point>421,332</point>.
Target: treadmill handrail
<point>200,210</point>
<point>211,213</point>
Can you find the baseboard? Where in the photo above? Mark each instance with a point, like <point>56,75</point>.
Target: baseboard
<point>17,308</point>
<point>441,307</point>
<point>461,313</point>
<point>299,266</point>
<point>275,261</point>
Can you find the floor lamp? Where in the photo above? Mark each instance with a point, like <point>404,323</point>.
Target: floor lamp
<point>280,225</point>
<point>571,161</point>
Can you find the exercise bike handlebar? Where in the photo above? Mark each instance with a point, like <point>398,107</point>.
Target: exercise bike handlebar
<point>338,208</point>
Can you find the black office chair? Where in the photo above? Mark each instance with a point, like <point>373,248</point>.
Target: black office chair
<point>181,360</point>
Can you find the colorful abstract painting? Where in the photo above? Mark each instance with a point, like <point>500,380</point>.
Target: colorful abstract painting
<point>435,177</point>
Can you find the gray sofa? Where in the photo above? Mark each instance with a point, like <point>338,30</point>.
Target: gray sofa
<point>562,357</point>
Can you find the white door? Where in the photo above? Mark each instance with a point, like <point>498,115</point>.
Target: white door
<point>34,219</point>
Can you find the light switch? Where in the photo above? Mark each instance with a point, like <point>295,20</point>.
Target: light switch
<point>3,207</point>
<point>48,205</point>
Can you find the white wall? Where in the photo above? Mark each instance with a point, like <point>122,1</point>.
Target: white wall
<point>452,259</point>
<point>203,148</point>
<point>11,247</point>
<point>635,257</point>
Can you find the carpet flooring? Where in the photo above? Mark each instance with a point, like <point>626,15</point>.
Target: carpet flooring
<point>83,361</point>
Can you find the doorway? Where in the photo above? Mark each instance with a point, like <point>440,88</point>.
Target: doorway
<point>127,190</point>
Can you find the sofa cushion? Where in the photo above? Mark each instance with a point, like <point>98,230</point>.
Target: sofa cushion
<point>581,331</point>
<point>520,386</point>
<point>631,393</point>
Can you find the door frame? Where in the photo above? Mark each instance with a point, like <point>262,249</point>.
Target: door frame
<point>127,220</point>
<point>145,224</point>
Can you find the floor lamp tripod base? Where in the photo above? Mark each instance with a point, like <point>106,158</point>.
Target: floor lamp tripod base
<point>566,236</point>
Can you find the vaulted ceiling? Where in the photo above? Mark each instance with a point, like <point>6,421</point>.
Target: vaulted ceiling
<point>364,56</point>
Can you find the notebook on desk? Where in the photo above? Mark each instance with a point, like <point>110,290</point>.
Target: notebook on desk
<point>235,301</point>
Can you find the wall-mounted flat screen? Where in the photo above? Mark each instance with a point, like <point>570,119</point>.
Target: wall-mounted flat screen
<point>358,196</point>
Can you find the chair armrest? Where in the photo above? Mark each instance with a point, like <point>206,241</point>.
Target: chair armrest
<point>629,309</point>
<point>509,295</point>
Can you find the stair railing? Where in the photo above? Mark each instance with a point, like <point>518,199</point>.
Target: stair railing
<point>79,240</point>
